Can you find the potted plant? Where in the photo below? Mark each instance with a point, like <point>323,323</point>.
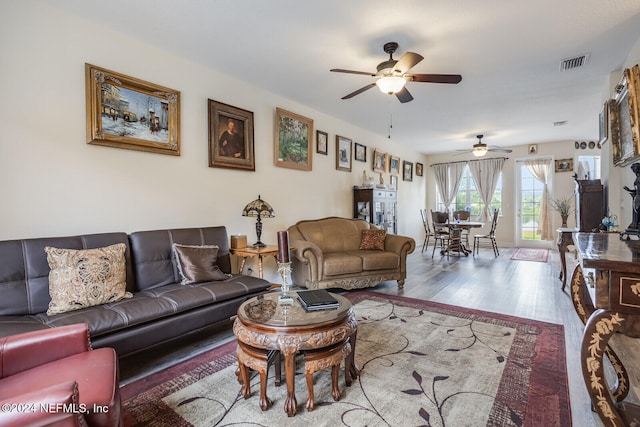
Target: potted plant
<point>563,205</point>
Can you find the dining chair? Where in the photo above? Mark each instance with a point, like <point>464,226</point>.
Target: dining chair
<point>441,230</point>
<point>428,233</point>
<point>491,236</point>
<point>464,215</point>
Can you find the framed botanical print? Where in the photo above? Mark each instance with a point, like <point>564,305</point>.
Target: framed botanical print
<point>407,168</point>
<point>379,161</point>
<point>360,152</point>
<point>292,141</point>
<point>126,112</point>
<point>343,153</point>
<point>322,142</point>
<point>230,137</point>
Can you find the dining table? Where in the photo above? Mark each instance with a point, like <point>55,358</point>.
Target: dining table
<point>455,236</point>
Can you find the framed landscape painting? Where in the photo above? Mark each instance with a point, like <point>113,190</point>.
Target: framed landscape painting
<point>126,112</point>
<point>293,139</point>
<point>230,137</point>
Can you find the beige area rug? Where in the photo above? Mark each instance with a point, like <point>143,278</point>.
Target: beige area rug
<point>423,364</point>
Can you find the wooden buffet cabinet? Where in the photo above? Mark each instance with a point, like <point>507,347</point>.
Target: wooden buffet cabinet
<point>589,204</point>
<point>605,289</point>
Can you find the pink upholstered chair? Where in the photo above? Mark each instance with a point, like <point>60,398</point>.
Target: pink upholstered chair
<point>58,379</point>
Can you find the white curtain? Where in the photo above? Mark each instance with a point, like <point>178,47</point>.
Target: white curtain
<point>448,177</point>
<point>540,169</point>
<point>486,174</point>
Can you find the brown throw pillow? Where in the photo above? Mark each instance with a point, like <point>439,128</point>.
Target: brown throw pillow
<point>198,263</point>
<point>373,239</point>
<point>82,278</point>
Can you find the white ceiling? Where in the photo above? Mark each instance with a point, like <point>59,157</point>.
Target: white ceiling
<point>508,53</point>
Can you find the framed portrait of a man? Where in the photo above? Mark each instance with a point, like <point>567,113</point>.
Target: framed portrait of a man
<point>230,137</point>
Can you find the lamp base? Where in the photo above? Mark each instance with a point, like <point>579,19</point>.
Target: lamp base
<point>258,244</point>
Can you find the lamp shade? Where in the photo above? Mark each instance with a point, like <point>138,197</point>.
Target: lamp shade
<point>259,208</point>
<point>390,84</point>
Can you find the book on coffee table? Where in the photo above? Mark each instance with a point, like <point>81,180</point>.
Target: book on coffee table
<point>319,299</point>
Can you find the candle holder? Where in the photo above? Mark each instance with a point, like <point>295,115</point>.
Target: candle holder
<point>285,298</point>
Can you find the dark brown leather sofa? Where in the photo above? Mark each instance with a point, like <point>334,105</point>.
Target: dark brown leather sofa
<point>161,308</point>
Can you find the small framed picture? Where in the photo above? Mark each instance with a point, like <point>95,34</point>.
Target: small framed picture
<point>564,165</point>
<point>533,149</point>
<point>343,153</point>
<point>322,142</point>
<point>293,141</point>
<point>360,152</point>
<point>379,161</point>
<point>604,123</point>
<point>407,168</point>
<point>393,182</point>
<point>394,165</point>
<point>419,169</point>
<point>230,137</point>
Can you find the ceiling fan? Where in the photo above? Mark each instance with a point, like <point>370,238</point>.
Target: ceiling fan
<point>392,75</point>
<point>480,149</point>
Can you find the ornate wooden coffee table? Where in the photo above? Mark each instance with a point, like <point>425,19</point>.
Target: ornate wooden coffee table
<point>263,326</point>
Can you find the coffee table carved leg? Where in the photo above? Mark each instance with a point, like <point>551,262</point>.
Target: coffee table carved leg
<point>290,404</point>
<point>243,379</point>
<point>563,261</point>
<point>351,371</point>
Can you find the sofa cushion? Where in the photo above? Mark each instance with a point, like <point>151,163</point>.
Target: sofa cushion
<point>86,277</point>
<point>336,263</point>
<point>373,239</point>
<point>197,263</point>
<point>377,260</point>
<point>332,234</point>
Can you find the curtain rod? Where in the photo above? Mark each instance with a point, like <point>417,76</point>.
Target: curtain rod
<point>467,161</point>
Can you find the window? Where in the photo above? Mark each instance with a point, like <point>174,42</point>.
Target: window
<point>468,197</point>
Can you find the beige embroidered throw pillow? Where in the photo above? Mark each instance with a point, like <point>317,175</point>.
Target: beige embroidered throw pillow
<point>82,278</point>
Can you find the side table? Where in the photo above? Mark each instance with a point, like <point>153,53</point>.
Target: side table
<point>565,238</point>
<point>244,253</point>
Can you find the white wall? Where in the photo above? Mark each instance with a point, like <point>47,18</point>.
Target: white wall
<point>52,183</point>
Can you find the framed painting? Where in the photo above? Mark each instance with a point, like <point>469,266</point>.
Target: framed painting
<point>360,152</point>
<point>379,161</point>
<point>126,112</point>
<point>533,149</point>
<point>564,165</point>
<point>322,142</point>
<point>624,116</point>
<point>343,153</point>
<point>407,168</point>
<point>419,167</point>
<point>293,138</point>
<point>603,123</point>
<point>394,165</point>
<point>230,137</point>
<point>393,182</point>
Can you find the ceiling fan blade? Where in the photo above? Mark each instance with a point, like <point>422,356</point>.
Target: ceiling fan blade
<point>359,91</point>
<point>340,70</point>
<point>500,150</point>
<point>435,78</point>
<point>407,61</point>
<point>404,95</point>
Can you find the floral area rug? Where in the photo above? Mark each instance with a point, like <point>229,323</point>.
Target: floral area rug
<point>423,364</point>
<point>528,254</point>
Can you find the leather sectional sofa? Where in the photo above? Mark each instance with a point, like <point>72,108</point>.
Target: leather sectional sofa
<point>159,307</point>
<point>332,253</point>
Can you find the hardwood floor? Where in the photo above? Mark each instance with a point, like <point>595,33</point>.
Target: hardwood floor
<point>518,288</point>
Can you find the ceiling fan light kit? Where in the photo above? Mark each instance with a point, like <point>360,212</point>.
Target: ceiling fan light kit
<point>390,84</point>
<point>479,150</point>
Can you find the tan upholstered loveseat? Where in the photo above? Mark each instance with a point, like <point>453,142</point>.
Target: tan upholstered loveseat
<point>327,254</point>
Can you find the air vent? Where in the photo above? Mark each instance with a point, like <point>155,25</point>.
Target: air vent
<point>572,63</point>
<point>560,123</point>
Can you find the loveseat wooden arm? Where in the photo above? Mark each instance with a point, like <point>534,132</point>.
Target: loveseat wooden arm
<point>25,351</point>
<point>55,405</point>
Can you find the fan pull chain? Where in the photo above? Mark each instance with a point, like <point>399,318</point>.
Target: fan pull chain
<point>390,119</point>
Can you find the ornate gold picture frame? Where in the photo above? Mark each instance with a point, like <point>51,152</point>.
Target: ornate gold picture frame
<point>230,137</point>
<point>126,112</point>
<point>625,119</point>
<point>293,140</point>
